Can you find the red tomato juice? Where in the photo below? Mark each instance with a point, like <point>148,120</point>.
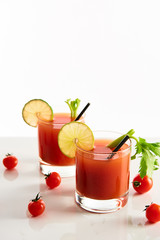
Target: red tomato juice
<point>100,178</point>
<point>49,151</point>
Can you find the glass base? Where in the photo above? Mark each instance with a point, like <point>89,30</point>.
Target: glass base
<point>64,171</point>
<point>101,206</point>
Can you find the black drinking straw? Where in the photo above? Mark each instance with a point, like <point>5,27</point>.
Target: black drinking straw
<point>118,146</point>
<point>81,113</point>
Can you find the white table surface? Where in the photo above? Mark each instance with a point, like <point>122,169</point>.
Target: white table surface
<point>63,219</point>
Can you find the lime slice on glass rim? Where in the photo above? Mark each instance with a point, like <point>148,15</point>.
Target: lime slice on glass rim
<point>72,134</point>
<point>36,107</point>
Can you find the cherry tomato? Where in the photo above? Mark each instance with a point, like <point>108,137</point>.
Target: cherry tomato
<point>10,161</point>
<point>53,180</point>
<point>153,212</point>
<point>36,206</point>
<point>142,185</point>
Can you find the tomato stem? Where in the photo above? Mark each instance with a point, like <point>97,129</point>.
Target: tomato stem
<point>36,198</point>
<point>137,183</point>
<point>47,175</point>
<point>147,206</point>
<point>8,154</point>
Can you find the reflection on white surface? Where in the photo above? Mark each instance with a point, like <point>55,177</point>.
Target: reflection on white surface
<point>63,219</point>
<point>102,226</point>
<point>10,175</point>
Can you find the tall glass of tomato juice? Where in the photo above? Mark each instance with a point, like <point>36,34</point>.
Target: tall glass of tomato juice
<point>51,157</point>
<point>102,179</point>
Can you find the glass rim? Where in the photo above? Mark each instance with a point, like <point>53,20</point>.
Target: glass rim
<point>51,122</point>
<point>107,154</point>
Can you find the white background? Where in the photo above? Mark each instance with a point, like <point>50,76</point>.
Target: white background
<point>103,52</point>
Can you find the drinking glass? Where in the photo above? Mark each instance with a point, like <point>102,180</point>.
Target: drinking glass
<point>50,155</point>
<point>102,178</point>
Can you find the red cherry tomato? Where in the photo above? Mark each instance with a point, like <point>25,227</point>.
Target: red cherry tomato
<point>36,206</point>
<point>10,161</point>
<point>153,212</point>
<point>142,185</point>
<point>53,180</point>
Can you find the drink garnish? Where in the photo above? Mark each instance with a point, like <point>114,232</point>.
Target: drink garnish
<point>36,107</point>
<point>115,143</point>
<point>82,112</point>
<point>147,152</point>
<point>120,144</point>
<point>73,105</point>
<point>72,134</point>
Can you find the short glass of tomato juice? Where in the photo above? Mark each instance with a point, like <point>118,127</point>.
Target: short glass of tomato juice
<point>102,178</point>
<point>51,157</point>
